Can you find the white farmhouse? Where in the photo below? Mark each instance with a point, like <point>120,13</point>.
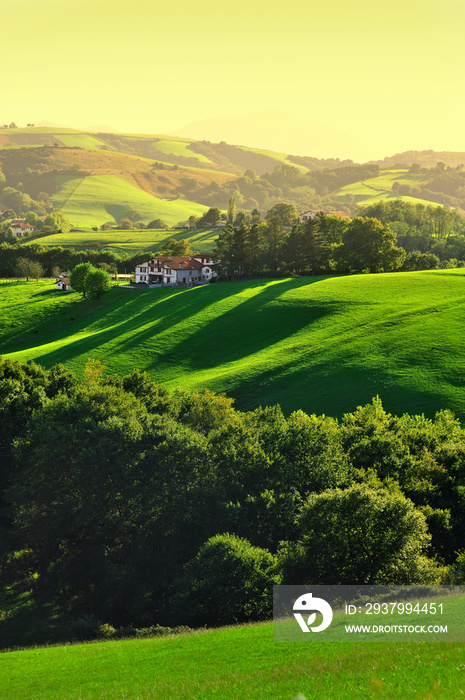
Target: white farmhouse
<point>185,271</point>
<point>311,213</point>
<point>20,228</point>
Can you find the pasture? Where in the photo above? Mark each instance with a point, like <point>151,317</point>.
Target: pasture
<point>236,662</point>
<point>98,199</point>
<point>179,147</point>
<point>121,242</point>
<point>380,188</point>
<point>324,345</point>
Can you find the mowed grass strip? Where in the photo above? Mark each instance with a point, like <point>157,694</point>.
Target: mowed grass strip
<point>324,345</point>
<point>233,663</point>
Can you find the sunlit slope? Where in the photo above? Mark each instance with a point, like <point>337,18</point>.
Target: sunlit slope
<point>99,199</point>
<point>122,242</point>
<point>176,149</point>
<point>380,188</point>
<point>232,664</point>
<point>324,345</point>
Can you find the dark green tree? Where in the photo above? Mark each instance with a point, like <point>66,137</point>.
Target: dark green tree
<point>210,218</point>
<point>367,244</point>
<point>157,224</point>
<point>58,221</point>
<point>78,275</point>
<point>229,581</point>
<point>365,534</point>
<point>96,283</point>
<point>231,210</point>
<point>29,268</point>
<point>285,213</point>
<point>177,248</point>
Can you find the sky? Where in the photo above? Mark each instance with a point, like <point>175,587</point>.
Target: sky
<point>387,73</point>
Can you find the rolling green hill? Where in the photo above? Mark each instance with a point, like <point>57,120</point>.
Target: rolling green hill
<point>99,199</point>
<point>324,345</point>
<point>202,241</point>
<point>95,178</point>
<point>171,149</point>
<point>380,188</point>
<point>238,662</point>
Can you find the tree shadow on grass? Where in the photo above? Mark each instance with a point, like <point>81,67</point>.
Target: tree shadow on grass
<point>254,324</point>
<point>333,392</point>
<point>166,307</point>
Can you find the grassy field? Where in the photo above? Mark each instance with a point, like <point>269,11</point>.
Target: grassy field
<point>324,345</point>
<point>179,147</point>
<point>281,157</point>
<point>100,199</point>
<point>380,188</point>
<point>81,141</point>
<point>238,662</point>
<point>130,241</point>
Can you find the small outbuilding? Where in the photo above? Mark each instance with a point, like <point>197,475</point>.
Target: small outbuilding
<point>63,284</point>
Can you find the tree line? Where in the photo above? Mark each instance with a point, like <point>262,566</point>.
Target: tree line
<point>135,506</point>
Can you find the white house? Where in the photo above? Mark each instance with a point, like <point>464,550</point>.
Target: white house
<point>185,271</point>
<point>63,284</point>
<point>20,228</point>
<point>311,213</point>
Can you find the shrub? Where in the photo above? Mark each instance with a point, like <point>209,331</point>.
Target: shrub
<point>229,581</point>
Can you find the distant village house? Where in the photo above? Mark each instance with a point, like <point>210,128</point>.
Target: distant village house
<point>21,228</point>
<point>185,271</point>
<point>62,282</point>
<point>311,213</point>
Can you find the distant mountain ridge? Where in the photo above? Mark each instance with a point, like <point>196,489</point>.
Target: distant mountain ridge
<point>278,130</point>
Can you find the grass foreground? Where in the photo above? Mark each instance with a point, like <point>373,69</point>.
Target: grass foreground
<point>236,662</point>
<point>323,345</point>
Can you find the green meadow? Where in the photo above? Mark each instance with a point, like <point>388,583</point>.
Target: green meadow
<point>380,188</point>
<point>179,147</point>
<point>99,199</point>
<point>202,241</point>
<point>321,344</point>
<point>87,141</point>
<point>236,662</point>
<point>281,157</point>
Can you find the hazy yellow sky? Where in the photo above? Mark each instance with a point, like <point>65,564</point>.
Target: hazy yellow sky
<point>388,72</point>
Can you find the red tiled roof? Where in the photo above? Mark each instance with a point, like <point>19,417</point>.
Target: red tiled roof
<point>174,263</point>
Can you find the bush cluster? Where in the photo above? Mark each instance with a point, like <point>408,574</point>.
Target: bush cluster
<point>140,507</point>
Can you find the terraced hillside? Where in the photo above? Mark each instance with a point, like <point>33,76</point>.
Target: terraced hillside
<point>324,345</point>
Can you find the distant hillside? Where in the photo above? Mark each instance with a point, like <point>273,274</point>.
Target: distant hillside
<point>95,178</point>
<point>427,159</point>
